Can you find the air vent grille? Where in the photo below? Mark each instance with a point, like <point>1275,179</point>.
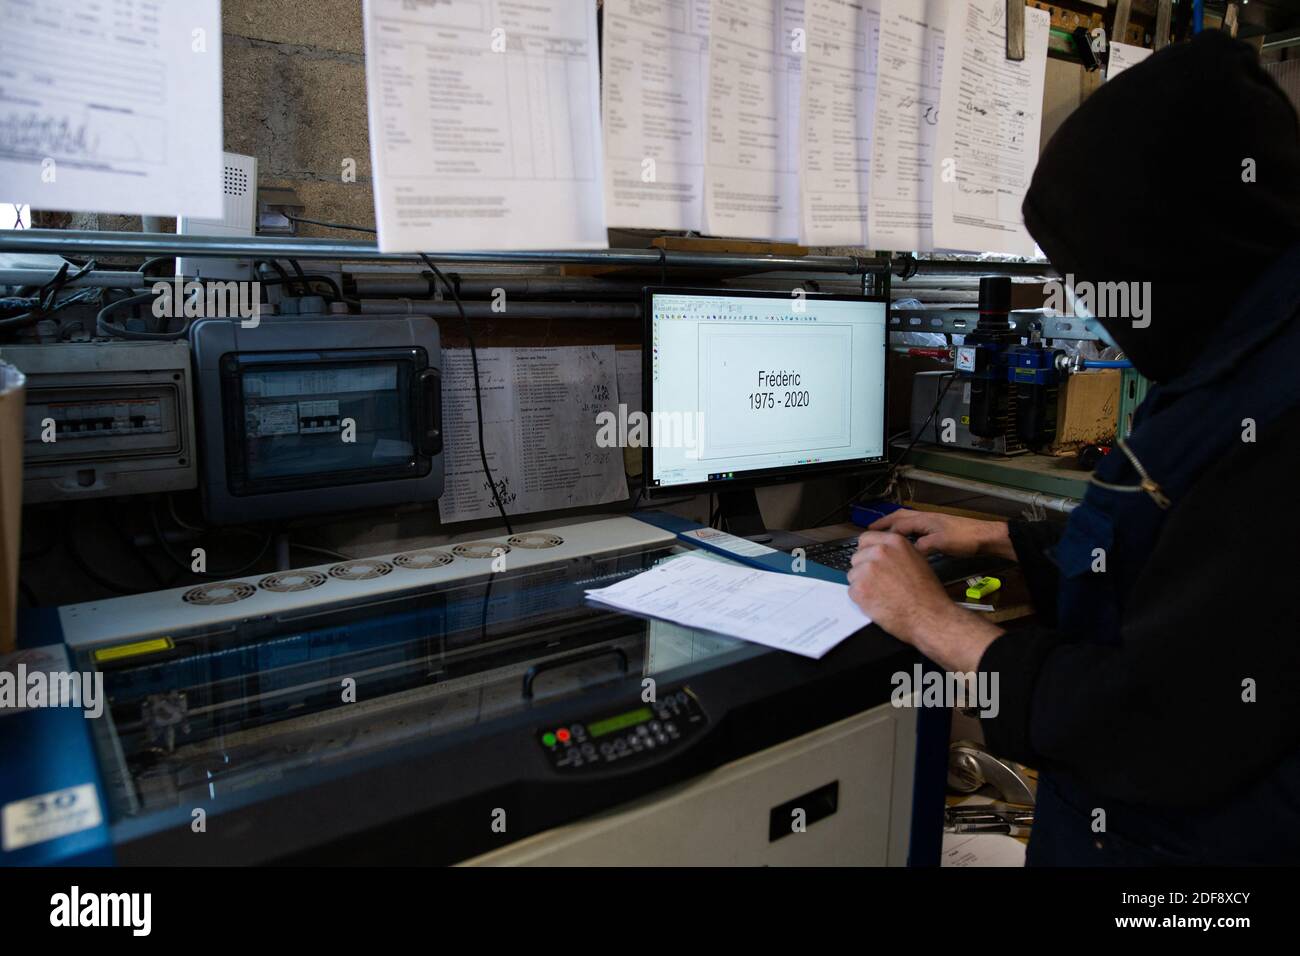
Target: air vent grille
<point>361,570</point>
<point>289,581</point>
<point>423,560</point>
<point>480,550</point>
<point>235,181</point>
<point>535,540</point>
<point>226,592</point>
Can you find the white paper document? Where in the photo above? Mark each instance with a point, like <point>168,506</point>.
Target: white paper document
<point>981,849</point>
<point>1122,56</point>
<point>656,56</point>
<point>839,100</point>
<point>539,420</point>
<point>751,170</point>
<point>790,612</point>
<point>112,106</point>
<point>908,76</point>
<point>990,124</point>
<point>485,124</point>
<point>630,377</point>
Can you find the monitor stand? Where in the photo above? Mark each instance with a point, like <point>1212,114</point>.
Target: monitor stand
<point>738,514</point>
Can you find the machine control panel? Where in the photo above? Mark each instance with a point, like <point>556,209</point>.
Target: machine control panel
<point>617,739</point>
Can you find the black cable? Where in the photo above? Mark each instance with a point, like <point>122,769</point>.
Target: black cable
<point>302,277</point>
<point>28,593</point>
<point>44,302</point>
<point>257,267</point>
<point>311,277</point>
<point>210,575</point>
<point>150,263</point>
<point>478,390</point>
<point>893,469</point>
<point>94,575</point>
<point>312,549</point>
<point>114,519</point>
<point>331,225</point>
<point>108,329</point>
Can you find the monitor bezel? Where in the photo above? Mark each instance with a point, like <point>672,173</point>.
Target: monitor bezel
<point>763,477</point>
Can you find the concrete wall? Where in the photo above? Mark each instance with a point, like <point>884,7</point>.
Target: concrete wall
<point>294,86</point>
<point>295,97</point>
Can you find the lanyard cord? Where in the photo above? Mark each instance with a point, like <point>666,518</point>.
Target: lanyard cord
<point>1147,486</point>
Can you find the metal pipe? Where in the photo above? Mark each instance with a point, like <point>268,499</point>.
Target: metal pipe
<point>98,278</point>
<point>1280,41</point>
<point>1032,498</point>
<point>550,287</point>
<point>446,309</point>
<point>92,243</point>
<point>476,288</point>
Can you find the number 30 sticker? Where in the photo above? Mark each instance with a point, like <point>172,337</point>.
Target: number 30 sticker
<point>50,816</point>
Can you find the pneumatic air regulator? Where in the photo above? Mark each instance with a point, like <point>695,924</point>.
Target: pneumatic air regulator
<point>1013,386</point>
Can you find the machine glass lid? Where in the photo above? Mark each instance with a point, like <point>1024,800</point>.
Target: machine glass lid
<point>251,705</point>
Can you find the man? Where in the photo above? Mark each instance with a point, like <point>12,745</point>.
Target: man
<point>1159,692</point>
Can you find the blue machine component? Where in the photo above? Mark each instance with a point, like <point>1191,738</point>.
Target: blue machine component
<point>1032,365</point>
<point>1033,375</point>
<point>1014,387</point>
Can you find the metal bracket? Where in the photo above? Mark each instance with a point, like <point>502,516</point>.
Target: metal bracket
<point>1164,17</point>
<point>1119,27</point>
<point>1015,29</point>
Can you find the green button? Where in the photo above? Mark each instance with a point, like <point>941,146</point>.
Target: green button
<point>548,739</point>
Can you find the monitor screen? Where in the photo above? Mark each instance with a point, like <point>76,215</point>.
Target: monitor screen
<point>744,387</point>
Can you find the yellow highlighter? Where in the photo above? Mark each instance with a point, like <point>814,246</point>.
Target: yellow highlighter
<point>979,588</point>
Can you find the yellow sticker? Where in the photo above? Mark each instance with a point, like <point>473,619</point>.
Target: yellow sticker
<point>133,650</point>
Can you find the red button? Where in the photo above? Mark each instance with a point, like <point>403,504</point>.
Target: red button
<point>563,735</point>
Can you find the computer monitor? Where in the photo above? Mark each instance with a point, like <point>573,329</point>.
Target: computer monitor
<point>750,388</point>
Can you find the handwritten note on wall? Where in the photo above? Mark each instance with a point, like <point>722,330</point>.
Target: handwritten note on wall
<point>990,124</point>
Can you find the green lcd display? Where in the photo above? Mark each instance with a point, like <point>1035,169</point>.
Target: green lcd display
<point>610,724</point>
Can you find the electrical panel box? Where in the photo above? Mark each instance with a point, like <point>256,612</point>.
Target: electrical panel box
<point>105,419</point>
<point>239,219</point>
<point>306,415</point>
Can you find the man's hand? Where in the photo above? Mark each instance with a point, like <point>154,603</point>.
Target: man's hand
<point>896,587</point>
<point>954,536</point>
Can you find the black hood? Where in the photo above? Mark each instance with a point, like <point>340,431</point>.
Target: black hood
<point>1150,181</point>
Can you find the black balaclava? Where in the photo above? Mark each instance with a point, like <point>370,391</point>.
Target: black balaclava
<point>1149,181</point>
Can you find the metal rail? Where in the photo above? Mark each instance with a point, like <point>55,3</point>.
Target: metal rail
<point>1035,499</point>
<point>84,243</point>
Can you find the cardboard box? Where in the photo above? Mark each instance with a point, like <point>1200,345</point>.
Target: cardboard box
<point>1088,409</point>
<point>11,499</point>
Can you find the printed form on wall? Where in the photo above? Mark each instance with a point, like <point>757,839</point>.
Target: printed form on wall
<point>539,426</point>
<point>908,76</point>
<point>990,125</point>
<point>656,56</point>
<point>485,124</point>
<point>839,98</point>
<point>112,106</point>
<point>1122,56</point>
<point>751,172</point>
